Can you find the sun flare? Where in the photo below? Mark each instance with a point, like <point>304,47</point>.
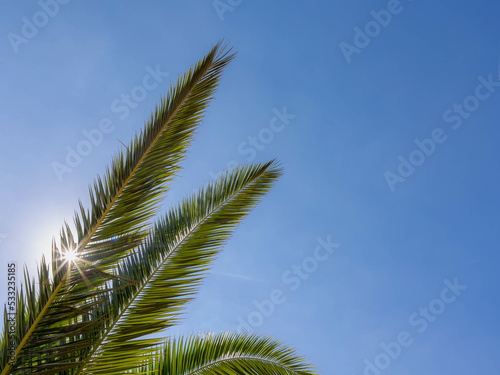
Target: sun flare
<point>71,256</point>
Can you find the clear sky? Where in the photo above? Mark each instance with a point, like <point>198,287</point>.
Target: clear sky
<point>383,113</point>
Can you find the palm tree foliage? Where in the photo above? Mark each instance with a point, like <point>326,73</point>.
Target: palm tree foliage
<point>131,276</point>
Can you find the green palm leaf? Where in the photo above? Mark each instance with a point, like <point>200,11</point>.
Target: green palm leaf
<point>170,265</point>
<point>224,354</point>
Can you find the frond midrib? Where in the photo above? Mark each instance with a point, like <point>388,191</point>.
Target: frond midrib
<point>35,323</point>
<point>236,358</point>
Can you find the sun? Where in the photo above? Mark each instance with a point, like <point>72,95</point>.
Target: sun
<point>70,255</point>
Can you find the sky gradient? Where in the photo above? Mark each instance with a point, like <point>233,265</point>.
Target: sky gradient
<point>382,229</point>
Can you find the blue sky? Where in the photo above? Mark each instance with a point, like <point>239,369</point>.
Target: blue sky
<point>412,226</point>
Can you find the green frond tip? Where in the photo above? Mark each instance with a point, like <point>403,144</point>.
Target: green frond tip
<point>226,353</point>
<point>123,202</point>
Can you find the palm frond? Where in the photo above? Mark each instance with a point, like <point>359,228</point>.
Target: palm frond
<point>225,353</point>
<point>48,322</point>
<point>169,267</point>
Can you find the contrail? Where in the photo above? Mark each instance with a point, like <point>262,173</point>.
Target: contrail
<point>242,277</point>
